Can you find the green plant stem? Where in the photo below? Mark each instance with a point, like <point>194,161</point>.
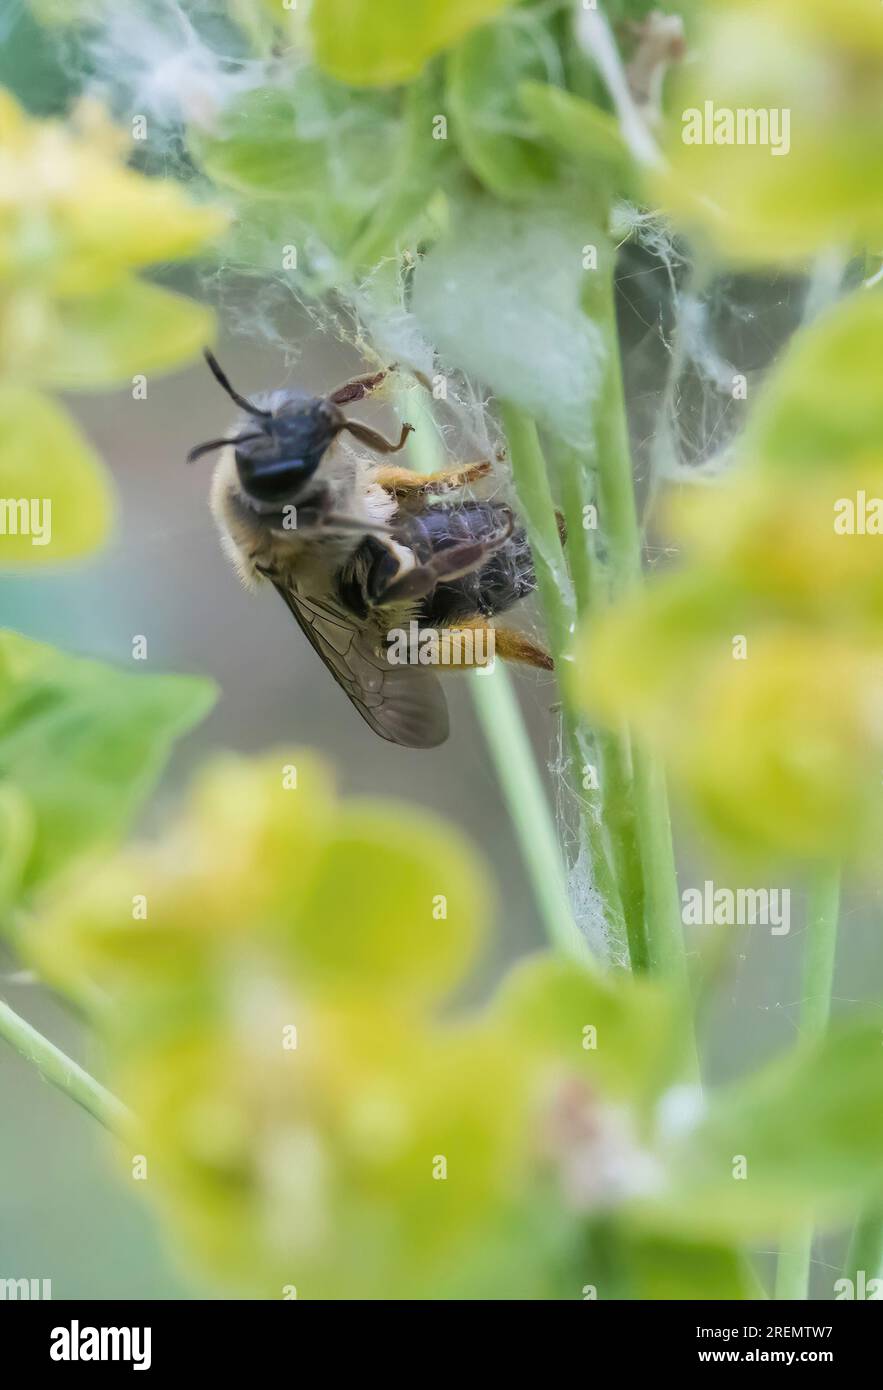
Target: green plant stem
<point>413,177</point>
<point>500,717</point>
<point>556,593</point>
<point>61,1071</point>
<point>615,804</point>
<point>503,726</point>
<point>865,1254</point>
<point>619,514</point>
<point>665,938</point>
<point>576,495</point>
<point>622,825</point>
<point>535,495</point>
<point>638,803</point>
<point>820,944</point>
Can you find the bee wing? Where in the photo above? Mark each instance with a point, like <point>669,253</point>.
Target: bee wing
<point>403,704</point>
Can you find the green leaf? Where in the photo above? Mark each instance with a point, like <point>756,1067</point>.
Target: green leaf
<point>55,498</point>
<point>259,148</point>
<point>323,151</point>
<point>502,297</point>
<point>32,65</point>
<point>82,744</point>
<point>579,128</point>
<point>416,171</point>
<point>823,406</point>
<point>497,141</point>
<point>810,1129</point>
<point>105,339</point>
<point>372,45</point>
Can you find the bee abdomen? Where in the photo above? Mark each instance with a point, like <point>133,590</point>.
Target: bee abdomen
<point>505,577</point>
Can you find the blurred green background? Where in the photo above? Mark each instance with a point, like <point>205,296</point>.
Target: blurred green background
<point>68,1211</point>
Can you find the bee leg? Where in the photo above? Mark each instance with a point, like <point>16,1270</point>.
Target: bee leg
<point>359,387</point>
<point>375,440</point>
<point>404,482</point>
<point>506,642</point>
<point>514,646</point>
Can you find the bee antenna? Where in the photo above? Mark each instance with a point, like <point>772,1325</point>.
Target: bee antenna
<point>221,378</point>
<point>206,448</point>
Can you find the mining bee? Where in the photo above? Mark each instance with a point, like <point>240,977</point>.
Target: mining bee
<point>358,548</point>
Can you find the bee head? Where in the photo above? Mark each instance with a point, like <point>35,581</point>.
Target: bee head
<point>286,447</point>
<point>275,464</point>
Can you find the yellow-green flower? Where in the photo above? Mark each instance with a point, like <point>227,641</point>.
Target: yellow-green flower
<point>808,546</point>
<point>75,223</point>
<point>74,218</point>
<point>775,140</point>
<point>755,671</point>
<point>267,979</point>
<point>270,966</point>
<point>771,725</point>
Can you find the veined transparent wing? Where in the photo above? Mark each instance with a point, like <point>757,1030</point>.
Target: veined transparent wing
<point>403,704</point>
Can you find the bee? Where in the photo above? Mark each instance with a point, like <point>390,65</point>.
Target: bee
<point>358,548</point>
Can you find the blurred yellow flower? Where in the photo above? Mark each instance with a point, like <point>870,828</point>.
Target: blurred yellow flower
<point>270,973</point>
<point>268,979</point>
<point>74,218</point>
<point>269,965</point>
<point>758,678</point>
<point>775,142</point>
<point>75,221</point>
<point>809,545</point>
<point>362,897</point>
<point>757,669</point>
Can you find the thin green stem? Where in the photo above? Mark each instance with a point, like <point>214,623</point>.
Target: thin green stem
<point>820,945</point>
<point>620,815</point>
<point>614,807</point>
<point>665,938</point>
<point>426,452</point>
<point>503,726</point>
<point>864,1258</point>
<point>557,596</point>
<point>535,495</point>
<point>61,1071</point>
<point>411,179</point>
<point>619,515</point>
<point>635,781</point>
<point>820,948</point>
<point>500,717</point>
<point>576,496</point>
